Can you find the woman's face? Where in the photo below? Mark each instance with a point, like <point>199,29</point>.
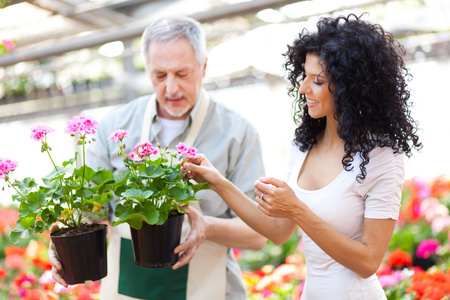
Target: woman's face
<point>315,87</point>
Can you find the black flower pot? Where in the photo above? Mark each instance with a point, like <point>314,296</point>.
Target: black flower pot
<point>153,245</point>
<point>82,255</point>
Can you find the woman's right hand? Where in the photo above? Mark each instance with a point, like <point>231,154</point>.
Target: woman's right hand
<point>200,169</point>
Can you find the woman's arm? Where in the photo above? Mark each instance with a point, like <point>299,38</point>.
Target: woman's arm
<point>278,230</point>
<point>278,211</point>
<point>362,257</point>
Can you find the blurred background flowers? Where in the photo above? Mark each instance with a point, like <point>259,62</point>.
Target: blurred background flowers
<point>417,265</point>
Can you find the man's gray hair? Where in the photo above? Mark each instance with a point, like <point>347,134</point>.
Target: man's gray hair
<point>170,29</point>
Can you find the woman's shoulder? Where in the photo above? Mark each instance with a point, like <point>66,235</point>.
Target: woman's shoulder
<point>385,163</point>
<point>384,156</point>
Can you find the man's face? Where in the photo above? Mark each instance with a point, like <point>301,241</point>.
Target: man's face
<point>176,76</point>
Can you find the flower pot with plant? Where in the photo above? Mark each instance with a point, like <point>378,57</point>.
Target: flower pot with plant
<point>154,198</point>
<point>72,195</point>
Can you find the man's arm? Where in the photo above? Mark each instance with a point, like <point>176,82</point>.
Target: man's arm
<point>232,233</point>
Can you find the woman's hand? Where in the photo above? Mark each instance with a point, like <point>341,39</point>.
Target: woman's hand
<point>200,169</point>
<point>276,198</point>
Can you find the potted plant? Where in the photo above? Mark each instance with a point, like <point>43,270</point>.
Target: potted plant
<point>153,198</point>
<point>72,195</point>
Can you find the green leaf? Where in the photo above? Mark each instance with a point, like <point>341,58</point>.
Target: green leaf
<point>23,210</point>
<point>41,227</point>
<point>174,177</point>
<point>103,198</point>
<point>32,202</point>
<point>27,222</point>
<point>70,161</point>
<point>102,176</point>
<point>201,186</point>
<point>87,193</point>
<point>163,212</point>
<point>58,175</point>
<point>137,194</point>
<point>26,184</point>
<point>58,209</point>
<point>150,214</point>
<point>134,220</point>
<point>153,172</point>
<point>48,217</point>
<point>181,210</point>
<point>20,233</point>
<point>178,193</point>
<point>88,173</point>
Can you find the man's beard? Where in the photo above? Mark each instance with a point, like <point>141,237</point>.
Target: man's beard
<point>172,113</point>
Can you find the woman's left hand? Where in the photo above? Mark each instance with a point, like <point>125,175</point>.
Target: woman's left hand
<point>276,198</point>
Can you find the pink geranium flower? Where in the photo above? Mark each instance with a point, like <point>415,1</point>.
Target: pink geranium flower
<point>6,166</point>
<point>15,261</point>
<point>427,247</point>
<point>46,277</point>
<point>391,279</point>
<point>81,125</point>
<point>190,152</point>
<point>39,132</point>
<point>9,45</point>
<point>432,208</point>
<point>119,135</point>
<point>58,288</point>
<point>182,148</point>
<point>145,150</point>
<point>440,224</point>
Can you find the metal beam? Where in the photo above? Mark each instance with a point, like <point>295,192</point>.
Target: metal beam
<point>229,11</point>
<point>95,18</point>
<point>128,31</point>
<point>93,6</point>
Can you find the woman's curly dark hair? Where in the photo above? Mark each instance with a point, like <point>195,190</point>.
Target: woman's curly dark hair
<point>365,66</point>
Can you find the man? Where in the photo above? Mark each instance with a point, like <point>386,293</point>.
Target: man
<point>174,50</point>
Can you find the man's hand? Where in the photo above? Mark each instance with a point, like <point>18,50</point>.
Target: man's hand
<point>197,235</point>
<point>56,264</point>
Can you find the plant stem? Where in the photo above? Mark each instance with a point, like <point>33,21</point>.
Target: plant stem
<point>83,139</point>
<point>54,165</point>
<point>79,219</point>
<point>124,157</point>
<point>15,188</point>
<point>84,159</point>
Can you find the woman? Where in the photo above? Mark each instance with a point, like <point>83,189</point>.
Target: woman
<point>346,167</point>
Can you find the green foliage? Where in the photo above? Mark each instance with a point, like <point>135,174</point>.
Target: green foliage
<point>150,189</point>
<point>68,194</point>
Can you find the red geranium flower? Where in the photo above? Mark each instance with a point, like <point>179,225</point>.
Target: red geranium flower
<point>3,273</point>
<point>399,258</point>
<point>430,285</point>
